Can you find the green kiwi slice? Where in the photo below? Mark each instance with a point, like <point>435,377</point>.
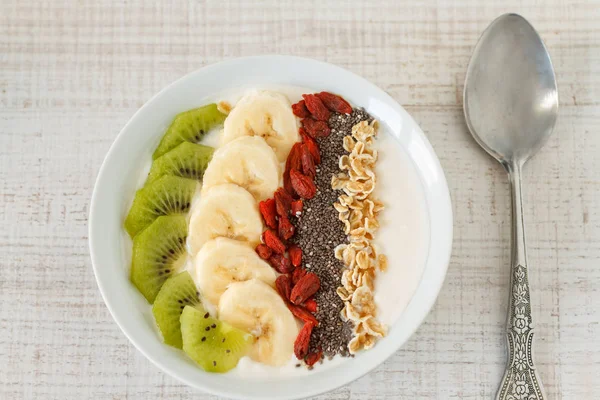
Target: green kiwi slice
<point>166,196</point>
<point>189,126</point>
<point>187,160</point>
<point>158,252</point>
<point>215,345</point>
<point>177,292</point>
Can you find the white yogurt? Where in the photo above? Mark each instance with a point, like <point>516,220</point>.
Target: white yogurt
<point>403,236</point>
<point>404,233</point>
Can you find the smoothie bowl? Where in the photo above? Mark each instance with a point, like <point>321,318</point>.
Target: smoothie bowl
<point>270,228</point>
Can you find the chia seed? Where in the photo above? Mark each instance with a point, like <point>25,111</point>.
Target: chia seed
<point>318,233</point>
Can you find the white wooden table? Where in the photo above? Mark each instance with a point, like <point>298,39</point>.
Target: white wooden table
<point>73,72</point>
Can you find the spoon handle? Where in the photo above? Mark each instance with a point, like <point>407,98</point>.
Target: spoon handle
<point>521,380</point>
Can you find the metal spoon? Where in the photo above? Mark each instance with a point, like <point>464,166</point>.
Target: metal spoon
<point>511,105</point>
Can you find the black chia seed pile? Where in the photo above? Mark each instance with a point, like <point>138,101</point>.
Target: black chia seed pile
<point>318,233</point>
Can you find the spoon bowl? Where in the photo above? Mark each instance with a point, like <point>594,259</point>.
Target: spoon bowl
<point>510,98</point>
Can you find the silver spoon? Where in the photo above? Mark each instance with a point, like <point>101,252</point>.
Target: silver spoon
<point>511,105</point>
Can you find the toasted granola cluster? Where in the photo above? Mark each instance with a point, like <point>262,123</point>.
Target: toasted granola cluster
<point>358,210</point>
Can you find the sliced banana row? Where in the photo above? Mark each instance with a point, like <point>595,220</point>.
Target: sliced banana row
<point>226,225</point>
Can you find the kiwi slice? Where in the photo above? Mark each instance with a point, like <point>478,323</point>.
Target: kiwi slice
<point>187,160</point>
<point>158,252</point>
<point>177,292</point>
<point>166,196</point>
<point>189,126</point>
<point>215,345</point>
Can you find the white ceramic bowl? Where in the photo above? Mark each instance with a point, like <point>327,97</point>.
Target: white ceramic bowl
<point>133,147</point>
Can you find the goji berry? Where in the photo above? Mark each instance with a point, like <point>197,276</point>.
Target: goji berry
<point>308,163</point>
<point>316,128</point>
<point>302,341</point>
<point>295,254</point>
<point>286,229</point>
<point>316,107</point>
<point>296,208</point>
<point>283,201</point>
<point>269,212</point>
<point>312,358</point>
<point>299,109</point>
<point>272,240</point>
<point>313,148</point>
<point>298,274</point>
<point>281,264</point>
<point>283,284</point>
<point>303,134</point>
<point>287,185</point>
<point>294,160</point>
<point>335,103</point>
<point>264,251</point>
<point>302,184</point>
<point>311,305</point>
<point>302,314</point>
<point>305,288</point>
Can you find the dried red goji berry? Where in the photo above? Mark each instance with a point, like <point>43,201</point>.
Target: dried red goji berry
<point>303,134</point>
<point>298,274</point>
<point>283,283</point>
<point>311,305</point>
<point>287,185</point>
<point>272,240</point>
<point>308,163</point>
<point>296,208</point>
<point>286,229</point>
<point>302,341</point>
<point>299,109</point>
<point>268,211</point>
<point>264,251</point>
<point>313,148</point>
<point>303,185</point>
<point>283,201</point>
<point>306,287</point>
<point>335,102</point>
<point>294,160</point>
<point>295,254</point>
<point>316,128</point>
<point>281,264</point>
<point>304,130</point>
<point>316,107</point>
<point>312,358</point>
<point>303,314</point>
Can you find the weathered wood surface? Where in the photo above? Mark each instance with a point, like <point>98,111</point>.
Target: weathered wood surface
<point>73,72</point>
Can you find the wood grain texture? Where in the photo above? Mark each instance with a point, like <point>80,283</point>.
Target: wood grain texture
<point>73,72</point>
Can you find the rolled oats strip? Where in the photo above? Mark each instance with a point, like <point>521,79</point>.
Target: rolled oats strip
<point>358,211</point>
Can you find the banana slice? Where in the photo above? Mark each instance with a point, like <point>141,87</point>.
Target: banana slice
<point>224,210</point>
<point>255,307</point>
<point>265,114</point>
<point>248,162</point>
<point>223,261</point>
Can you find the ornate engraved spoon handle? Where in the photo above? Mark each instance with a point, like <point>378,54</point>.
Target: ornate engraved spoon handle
<point>521,380</point>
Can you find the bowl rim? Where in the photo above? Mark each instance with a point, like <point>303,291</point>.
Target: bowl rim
<point>434,284</point>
